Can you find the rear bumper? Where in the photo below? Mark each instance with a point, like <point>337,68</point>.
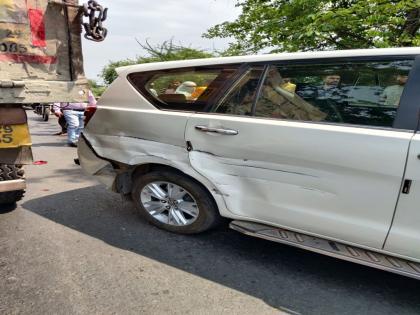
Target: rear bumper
<point>11,185</point>
<point>94,165</point>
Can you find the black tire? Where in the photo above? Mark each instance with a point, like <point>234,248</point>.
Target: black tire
<point>11,172</point>
<point>208,216</point>
<point>46,114</point>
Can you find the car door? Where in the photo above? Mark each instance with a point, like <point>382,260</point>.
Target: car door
<point>404,235</point>
<point>287,160</point>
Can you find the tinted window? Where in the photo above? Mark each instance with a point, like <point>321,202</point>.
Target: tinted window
<point>242,95</point>
<point>189,89</point>
<point>362,93</point>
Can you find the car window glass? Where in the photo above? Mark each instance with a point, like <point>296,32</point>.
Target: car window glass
<point>361,93</point>
<point>183,89</point>
<point>242,95</point>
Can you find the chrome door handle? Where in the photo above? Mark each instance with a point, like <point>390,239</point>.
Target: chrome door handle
<point>227,132</point>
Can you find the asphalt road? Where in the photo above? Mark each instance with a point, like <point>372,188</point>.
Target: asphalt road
<point>71,247</point>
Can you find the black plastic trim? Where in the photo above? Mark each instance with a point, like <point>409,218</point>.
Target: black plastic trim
<point>259,89</point>
<point>409,109</point>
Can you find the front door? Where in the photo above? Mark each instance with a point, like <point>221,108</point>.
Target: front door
<point>323,159</point>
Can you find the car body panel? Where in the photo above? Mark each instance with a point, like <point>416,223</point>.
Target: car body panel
<point>335,181</point>
<point>134,132</point>
<point>404,236</point>
<point>340,182</point>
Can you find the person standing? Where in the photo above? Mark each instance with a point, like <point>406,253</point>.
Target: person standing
<point>392,94</point>
<point>74,116</point>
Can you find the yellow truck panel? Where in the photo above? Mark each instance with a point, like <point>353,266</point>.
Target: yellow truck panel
<point>13,136</point>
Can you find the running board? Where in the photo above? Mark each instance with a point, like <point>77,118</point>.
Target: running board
<point>330,248</point>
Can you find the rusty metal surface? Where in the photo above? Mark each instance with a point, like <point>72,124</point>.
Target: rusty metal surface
<point>40,45</point>
<point>20,155</point>
<point>12,116</point>
<point>96,14</point>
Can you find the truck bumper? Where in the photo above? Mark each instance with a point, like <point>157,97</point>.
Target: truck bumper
<point>10,185</point>
<point>94,165</point>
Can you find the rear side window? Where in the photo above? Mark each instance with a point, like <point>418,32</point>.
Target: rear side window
<point>240,98</point>
<point>186,89</point>
<point>359,92</point>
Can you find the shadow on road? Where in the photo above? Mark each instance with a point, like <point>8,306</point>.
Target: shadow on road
<point>282,276</point>
<point>64,174</point>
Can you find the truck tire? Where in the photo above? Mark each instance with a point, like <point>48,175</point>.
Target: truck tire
<point>46,113</point>
<point>10,172</point>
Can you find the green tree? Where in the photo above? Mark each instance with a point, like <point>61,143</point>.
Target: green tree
<point>300,25</point>
<point>166,51</point>
<point>96,89</point>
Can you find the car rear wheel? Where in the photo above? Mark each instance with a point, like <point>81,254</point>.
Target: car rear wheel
<point>175,202</point>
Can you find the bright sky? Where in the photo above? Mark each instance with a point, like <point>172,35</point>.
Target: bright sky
<point>156,21</point>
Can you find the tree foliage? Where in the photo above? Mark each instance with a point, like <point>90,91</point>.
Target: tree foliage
<point>96,88</point>
<point>300,25</point>
<point>167,51</point>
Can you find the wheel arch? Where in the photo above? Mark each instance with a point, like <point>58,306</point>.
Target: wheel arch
<point>126,180</point>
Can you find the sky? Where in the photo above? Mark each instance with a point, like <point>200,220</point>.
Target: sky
<point>156,21</point>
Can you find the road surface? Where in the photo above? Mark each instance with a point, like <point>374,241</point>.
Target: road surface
<point>72,247</point>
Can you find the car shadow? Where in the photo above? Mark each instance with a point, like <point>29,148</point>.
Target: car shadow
<point>65,174</point>
<point>284,277</point>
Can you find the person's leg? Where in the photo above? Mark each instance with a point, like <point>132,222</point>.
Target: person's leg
<point>72,125</point>
<point>81,117</point>
<point>63,124</point>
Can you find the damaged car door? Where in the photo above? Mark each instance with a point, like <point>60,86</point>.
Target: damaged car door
<point>287,149</point>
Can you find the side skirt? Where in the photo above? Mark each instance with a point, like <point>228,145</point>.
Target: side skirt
<point>329,248</point>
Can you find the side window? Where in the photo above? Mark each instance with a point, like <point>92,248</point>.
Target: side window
<point>189,89</point>
<point>359,92</point>
<point>240,98</point>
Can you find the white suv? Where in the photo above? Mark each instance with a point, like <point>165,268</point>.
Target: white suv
<point>317,150</point>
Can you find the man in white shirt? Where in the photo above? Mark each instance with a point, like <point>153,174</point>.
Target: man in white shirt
<point>392,94</point>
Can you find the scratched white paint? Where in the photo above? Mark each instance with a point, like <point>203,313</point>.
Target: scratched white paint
<point>338,182</point>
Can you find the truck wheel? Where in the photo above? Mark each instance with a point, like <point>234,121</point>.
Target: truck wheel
<point>175,202</point>
<point>46,114</point>
<point>10,172</point>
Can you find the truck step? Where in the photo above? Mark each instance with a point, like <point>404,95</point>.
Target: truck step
<point>330,248</point>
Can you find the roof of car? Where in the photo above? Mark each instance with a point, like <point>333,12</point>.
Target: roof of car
<point>270,57</point>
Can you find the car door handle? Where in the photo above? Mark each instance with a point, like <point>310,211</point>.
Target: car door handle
<point>222,131</point>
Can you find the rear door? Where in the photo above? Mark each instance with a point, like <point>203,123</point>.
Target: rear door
<point>293,154</point>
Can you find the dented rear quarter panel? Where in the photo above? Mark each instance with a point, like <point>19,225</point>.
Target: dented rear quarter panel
<point>127,129</point>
